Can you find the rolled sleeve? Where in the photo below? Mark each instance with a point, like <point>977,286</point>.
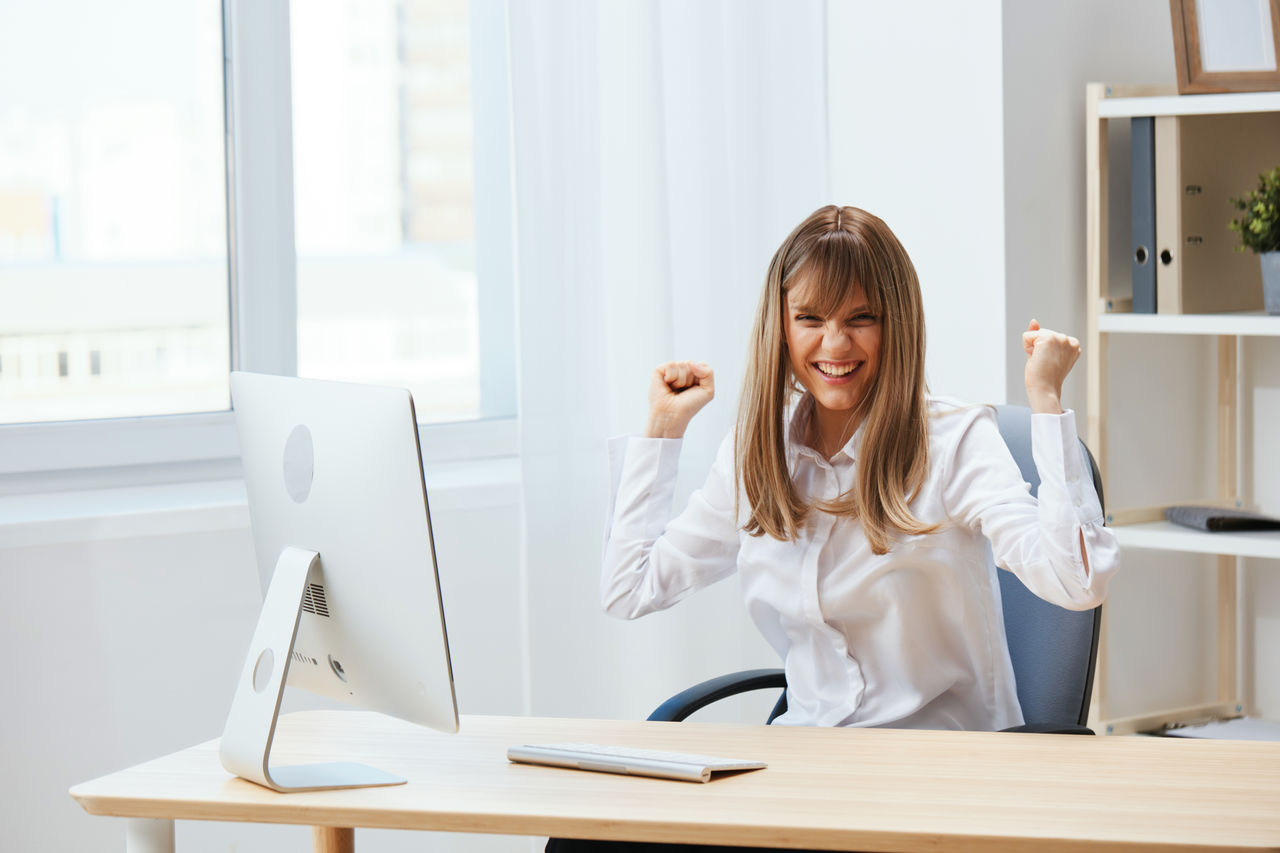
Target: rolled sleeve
<point>651,561</point>
<point>643,482</point>
<point>1055,543</point>
<point>1062,468</point>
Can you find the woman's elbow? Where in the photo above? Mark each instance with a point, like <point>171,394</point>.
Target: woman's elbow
<point>1090,591</point>
<point>1083,599</point>
<point>620,607</point>
<point>623,602</point>
<point>1099,558</point>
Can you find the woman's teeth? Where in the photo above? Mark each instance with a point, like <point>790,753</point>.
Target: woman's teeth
<point>835,369</point>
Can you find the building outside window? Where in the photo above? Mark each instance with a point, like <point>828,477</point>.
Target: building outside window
<point>383,210</point>
<point>114,258</point>
<point>113,249</point>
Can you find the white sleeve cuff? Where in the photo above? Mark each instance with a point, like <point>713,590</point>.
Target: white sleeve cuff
<point>1064,472</point>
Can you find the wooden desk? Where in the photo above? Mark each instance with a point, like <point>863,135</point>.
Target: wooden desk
<point>850,789</point>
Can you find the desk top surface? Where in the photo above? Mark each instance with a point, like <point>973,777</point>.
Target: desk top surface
<point>851,789</point>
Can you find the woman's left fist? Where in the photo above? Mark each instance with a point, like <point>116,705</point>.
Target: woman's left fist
<point>1050,357</point>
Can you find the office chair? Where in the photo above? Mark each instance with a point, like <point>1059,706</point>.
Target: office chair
<point>1053,650</point>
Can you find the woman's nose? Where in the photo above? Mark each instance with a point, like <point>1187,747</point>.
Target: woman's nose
<point>836,337</point>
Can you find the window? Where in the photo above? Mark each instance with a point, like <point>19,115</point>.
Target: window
<point>113,250</point>
<point>155,182</point>
<point>384,211</point>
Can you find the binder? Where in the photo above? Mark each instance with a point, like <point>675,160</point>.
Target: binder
<point>1142,157</point>
<point>1201,162</point>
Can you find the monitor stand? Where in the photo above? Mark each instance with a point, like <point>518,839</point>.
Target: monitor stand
<point>251,725</point>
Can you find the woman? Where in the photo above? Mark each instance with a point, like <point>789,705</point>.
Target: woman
<point>854,506</point>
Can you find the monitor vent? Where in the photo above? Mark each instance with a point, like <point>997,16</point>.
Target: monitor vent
<point>313,600</point>
<point>299,657</point>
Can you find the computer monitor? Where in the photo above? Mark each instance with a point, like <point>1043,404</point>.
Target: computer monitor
<point>342,531</point>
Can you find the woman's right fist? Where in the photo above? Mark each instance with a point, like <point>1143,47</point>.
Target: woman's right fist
<point>677,391</point>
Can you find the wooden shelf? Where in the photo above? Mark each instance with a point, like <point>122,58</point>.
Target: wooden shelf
<point>1155,720</point>
<point>1166,536</point>
<point>1190,105</point>
<point>1255,323</point>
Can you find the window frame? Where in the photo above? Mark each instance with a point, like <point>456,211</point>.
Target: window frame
<point>261,266</point>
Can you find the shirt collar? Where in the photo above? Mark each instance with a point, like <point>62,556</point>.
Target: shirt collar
<point>798,417</point>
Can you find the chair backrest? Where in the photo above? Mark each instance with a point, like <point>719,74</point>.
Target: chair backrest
<point>1053,650</point>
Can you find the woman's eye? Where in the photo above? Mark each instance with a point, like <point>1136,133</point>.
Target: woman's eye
<point>862,319</point>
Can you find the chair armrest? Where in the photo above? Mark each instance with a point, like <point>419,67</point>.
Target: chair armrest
<point>698,696</point>
<point>687,701</point>
<point>1051,728</point>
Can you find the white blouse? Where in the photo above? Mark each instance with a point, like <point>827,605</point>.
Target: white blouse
<point>913,638</point>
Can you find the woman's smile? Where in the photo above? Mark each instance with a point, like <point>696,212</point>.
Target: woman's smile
<point>837,372</point>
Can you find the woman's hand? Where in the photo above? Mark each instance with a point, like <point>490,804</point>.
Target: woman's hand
<point>677,391</point>
<point>1050,357</point>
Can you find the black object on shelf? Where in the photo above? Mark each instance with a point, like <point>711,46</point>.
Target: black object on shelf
<point>1216,519</point>
<point>1143,169</point>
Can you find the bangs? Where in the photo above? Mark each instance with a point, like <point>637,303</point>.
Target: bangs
<point>827,277</point>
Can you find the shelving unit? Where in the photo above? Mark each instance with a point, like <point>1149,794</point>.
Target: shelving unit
<point>1145,527</point>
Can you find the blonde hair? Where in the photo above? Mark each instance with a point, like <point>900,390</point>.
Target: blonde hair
<point>831,253</point>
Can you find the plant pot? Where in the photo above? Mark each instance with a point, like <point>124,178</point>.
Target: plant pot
<point>1271,281</point>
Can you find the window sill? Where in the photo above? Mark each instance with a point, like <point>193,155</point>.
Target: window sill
<point>88,515</point>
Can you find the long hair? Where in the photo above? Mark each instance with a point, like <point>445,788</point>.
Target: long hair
<point>832,252</point>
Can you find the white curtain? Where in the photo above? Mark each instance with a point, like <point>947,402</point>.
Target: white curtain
<point>662,152</point>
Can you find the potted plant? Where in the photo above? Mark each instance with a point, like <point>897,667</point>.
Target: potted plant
<point>1259,230</point>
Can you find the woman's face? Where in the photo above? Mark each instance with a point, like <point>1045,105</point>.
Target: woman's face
<point>834,357</point>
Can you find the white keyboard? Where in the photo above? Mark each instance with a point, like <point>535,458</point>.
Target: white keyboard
<point>627,760</point>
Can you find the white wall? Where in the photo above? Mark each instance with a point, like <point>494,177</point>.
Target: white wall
<point>916,138</point>
<point>1051,50</point>
<point>120,650</point>
<point>1260,589</point>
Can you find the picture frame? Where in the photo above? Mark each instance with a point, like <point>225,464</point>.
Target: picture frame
<point>1226,45</point>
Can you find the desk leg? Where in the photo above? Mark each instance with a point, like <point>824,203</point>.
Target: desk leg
<point>333,839</point>
<point>143,835</point>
